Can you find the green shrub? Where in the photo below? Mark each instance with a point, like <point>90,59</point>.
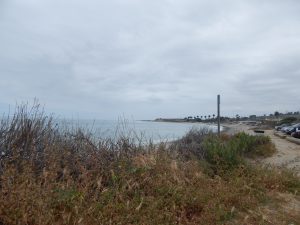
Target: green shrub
<point>229,153</point>
<point>222,155</point>
<point>253,146</point>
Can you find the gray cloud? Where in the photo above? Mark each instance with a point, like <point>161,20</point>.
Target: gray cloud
<point>150,59</point>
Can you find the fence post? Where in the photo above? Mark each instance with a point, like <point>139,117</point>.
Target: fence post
<point>219,127</point>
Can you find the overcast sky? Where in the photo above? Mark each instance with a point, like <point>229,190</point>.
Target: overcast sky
<point>150,58</point>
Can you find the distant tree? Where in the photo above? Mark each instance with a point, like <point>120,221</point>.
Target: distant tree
<point>213,116</point>
<point>205,117</point>
<point>201,117</point>
<point>276,114</point>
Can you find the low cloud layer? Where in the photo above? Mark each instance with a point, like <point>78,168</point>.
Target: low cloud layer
<point>147,59</point>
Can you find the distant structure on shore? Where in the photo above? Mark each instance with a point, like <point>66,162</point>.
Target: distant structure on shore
<point>276,116</point>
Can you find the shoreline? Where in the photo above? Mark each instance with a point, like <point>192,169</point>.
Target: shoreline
<point>183,122</point>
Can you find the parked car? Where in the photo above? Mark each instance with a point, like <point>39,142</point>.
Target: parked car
<point>296,134</point>
<point>285,129</point>
<point>281,126</point>
<point>292,129</point>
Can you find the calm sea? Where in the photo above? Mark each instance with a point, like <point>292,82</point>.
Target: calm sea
<point>146,130</point>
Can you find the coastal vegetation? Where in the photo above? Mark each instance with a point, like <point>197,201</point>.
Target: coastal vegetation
<point>273,119</point>
<point>50,175</point>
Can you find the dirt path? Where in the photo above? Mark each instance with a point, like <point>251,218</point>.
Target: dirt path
<point>287,155</point>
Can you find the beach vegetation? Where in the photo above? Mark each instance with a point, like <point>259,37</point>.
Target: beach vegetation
<point>50,175</point>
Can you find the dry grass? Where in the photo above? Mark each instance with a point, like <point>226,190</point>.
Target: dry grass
<point>54,177</point>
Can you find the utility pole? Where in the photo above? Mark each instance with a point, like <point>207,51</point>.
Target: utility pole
<point>219,127</point>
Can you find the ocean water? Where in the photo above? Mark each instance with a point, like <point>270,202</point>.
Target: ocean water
<point>142,130</point>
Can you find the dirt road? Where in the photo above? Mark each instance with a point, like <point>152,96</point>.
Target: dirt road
<point>287,155</point>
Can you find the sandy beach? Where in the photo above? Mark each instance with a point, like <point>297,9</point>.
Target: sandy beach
<point>287,155</point>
